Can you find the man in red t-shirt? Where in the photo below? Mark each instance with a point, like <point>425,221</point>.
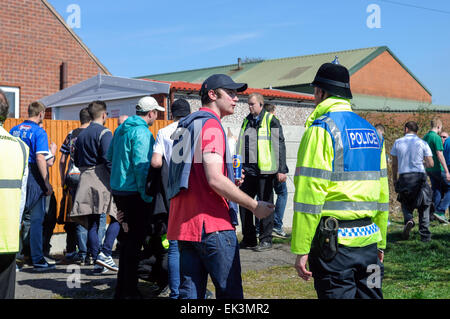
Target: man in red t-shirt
<point>199,215</point>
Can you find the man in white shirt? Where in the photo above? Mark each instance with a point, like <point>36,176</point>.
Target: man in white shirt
<point>410,156</point>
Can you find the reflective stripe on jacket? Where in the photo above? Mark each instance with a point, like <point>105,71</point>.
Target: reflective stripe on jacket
<point>267,152</point>
<point>13,163</point>
<point>340,172</point>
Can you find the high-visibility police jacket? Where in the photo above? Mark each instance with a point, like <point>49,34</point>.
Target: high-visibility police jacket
<point>268,137</point>
<point>340,172</point>
<point>13,167</point>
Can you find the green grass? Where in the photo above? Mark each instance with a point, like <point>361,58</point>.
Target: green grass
<point>413,270</point>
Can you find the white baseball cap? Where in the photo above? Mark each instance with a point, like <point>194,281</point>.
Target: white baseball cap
<point>148,103</point>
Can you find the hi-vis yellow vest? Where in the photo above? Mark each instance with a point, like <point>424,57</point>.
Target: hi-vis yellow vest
<point>267,160</point>
<point>340,172</point>
<point>13,159</point>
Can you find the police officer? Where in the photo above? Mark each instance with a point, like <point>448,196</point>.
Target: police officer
<point>13,180</point>
<point>341,200</point>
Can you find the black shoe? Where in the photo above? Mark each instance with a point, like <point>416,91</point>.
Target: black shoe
<point>243,245</point>
<point>409,225</point>
<point>425,239</point>
<point>43,266</point>
<point>267,245</point>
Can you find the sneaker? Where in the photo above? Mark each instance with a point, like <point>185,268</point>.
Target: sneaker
<point>88,261</point>
<point>100,269</point>
<point>106,261</point>
<point>406,230</point>
<point>209,294</point>
<point>50,260</point>
<point>263,246</point>
<point>441,218</point>
<point>165,292</point>
<point>425,239</point>
<point>279,233</point>
<point>43,265</point>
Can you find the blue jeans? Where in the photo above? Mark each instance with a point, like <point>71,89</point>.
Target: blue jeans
<point>93,236</point>
<point>36,239</point>
<point>173,256</point>
<point>217,255</point>
<point>82,235</point>
<point>440,186</point>
<point>280,205</point>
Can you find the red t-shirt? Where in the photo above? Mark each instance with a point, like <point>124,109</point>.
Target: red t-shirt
<point>200,205</point>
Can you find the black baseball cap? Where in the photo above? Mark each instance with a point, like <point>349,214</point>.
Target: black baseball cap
<point>222,81</point>
<point>180,108</point>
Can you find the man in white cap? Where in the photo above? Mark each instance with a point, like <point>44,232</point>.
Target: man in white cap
<point>131,153</point>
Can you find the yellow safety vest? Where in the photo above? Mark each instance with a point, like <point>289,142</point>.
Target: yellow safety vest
<point>12,165</point>
<point>328,183</point>
<point>267,154</point>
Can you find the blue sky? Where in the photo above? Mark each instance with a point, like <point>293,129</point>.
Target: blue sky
<point>141,37</point>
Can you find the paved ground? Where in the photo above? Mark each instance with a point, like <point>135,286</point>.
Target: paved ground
<point>61,282</point>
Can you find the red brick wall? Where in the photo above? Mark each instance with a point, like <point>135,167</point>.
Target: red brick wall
<point>398,119</point>
<point>33,44</point>
<point>384,76</point>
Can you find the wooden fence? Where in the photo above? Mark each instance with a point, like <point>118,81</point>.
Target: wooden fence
<point>57,131</point>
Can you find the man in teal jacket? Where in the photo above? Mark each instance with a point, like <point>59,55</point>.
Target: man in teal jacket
<point>131,153</point>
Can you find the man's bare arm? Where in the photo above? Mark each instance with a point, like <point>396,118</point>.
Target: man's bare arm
<point>42,166</point>
<point>157,160</point>
<point>223,186</point>
<point>394,169</point>
<point>429,161</point>
<point>62,167</point>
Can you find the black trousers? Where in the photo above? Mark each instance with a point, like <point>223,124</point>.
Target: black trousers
<point>261,186</point>
<point>7,276</point>
<point>354,273</point>
<point>136,215</point>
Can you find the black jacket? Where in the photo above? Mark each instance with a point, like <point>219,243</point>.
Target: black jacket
<point>413,190</point>
<point>250,156</point>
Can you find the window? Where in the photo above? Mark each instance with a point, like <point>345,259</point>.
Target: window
<point>13,96</point>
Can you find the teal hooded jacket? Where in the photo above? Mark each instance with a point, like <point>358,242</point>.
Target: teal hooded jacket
<point>130,153</point>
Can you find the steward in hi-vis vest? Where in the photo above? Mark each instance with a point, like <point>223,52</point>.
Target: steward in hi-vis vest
<point>341,200</point>
<point>262,149</point>
<point>13,180</point>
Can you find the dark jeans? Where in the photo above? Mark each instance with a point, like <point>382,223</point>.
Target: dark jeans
<point>424,220</point>
<point>441,191</point>
<point>7,276</point>
<point>217,255</point>
<point>349,275</point>
<point>280,204</point>
<point>49,223</point>
<point>94,246</point>
<point>263,188</point>
<point>136,214</point>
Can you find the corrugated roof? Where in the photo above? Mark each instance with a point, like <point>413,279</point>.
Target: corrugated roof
<point>195,87</point>
<point>284,72</point>
<point>362,102</point>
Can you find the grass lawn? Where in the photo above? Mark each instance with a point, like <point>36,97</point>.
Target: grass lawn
<point>412,269</point>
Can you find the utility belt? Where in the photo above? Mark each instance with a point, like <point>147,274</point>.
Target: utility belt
<point>325,242</point>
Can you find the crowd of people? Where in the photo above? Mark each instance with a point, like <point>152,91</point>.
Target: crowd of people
<point>173,201</point>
